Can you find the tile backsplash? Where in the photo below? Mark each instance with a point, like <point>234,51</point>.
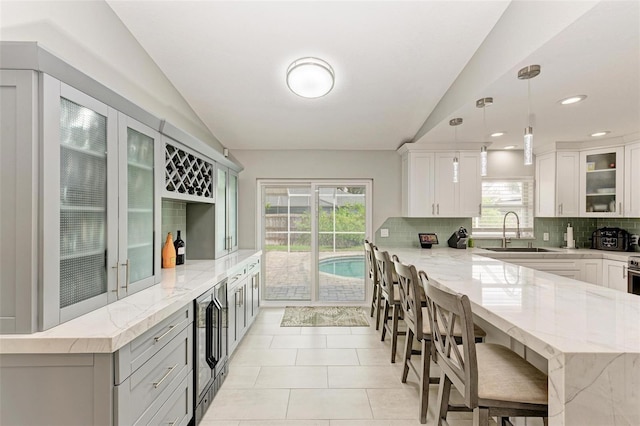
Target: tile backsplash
<point>403,232</point>
<point>174,217</point>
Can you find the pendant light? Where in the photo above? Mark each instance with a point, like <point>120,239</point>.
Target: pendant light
<point>527,73</point>
<point>454,122</point>
<point>484,103</point>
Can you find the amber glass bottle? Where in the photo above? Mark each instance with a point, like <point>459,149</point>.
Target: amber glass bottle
<point>169,253</point>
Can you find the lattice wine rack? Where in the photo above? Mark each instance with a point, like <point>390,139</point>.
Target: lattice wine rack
<point>186,173</point>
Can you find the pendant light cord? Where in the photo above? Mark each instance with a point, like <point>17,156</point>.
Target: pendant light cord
<point>529,102</point>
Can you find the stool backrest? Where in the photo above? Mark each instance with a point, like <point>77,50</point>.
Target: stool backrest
<point>371,274</point>
<point>459,363</point>
<point>411,296</point>
<point>385,271</point>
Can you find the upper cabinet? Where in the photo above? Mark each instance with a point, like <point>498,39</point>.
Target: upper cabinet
<point>557,184</point>
<point>100,204</point>
<point>428,187</point>
<point>226,212</point>
<point>632,180</point>
<point>601,182</point>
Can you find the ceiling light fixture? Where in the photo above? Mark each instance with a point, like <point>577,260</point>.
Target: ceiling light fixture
<point>509,147</point>
<point>455,122</point>
<point>598,134</point>
<point>527,73</point>
<point>497,134</point>
<point>310,77</point>
<point>573,99</point>
<point>484,103</point>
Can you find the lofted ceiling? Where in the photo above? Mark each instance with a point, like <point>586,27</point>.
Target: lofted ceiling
<point>394,62</point>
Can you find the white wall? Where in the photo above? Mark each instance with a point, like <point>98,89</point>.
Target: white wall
<point>89,36</point>
<point>381,166</point>
<point>507,164</point>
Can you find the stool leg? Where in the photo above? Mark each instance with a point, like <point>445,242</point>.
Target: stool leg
<point>424,379</point>
<point>480,416</point>
<point>394,334</point>
<point>385,319</point>
<point>444,391</point>
<point>378,305</point>
<point>408,345</point>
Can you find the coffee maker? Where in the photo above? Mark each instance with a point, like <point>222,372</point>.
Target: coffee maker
<point>459,239</point>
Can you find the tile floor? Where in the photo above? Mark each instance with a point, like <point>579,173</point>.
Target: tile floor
<point>320,376</point>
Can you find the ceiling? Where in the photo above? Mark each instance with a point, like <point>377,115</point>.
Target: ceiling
<point>394,63</point>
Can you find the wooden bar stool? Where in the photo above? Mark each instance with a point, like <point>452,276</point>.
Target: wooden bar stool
<point>372,280</point>
<point>493,380</point>
<point>389,291</point>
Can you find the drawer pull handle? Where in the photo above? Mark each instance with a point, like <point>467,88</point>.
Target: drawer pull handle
<point>175,422</point>
<point>163,335</point>
<point>167,374</point>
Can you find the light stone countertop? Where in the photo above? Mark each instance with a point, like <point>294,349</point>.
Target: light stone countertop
<point>589,335</point>
<point>558,253</point>
<point>107,329</point>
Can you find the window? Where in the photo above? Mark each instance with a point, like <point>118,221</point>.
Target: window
<point>500,196</point>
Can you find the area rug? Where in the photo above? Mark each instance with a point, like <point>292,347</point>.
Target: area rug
<point>324,316</point>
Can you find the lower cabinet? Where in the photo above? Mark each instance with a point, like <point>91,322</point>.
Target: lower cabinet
<point>563,267</point>
<point>148,381</point>
<point>614,274</point>
<point>243,293</point>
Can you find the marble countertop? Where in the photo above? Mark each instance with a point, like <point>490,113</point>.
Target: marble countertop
<point>552,315</point>
<point>107,329</point>
<point>558,253</point>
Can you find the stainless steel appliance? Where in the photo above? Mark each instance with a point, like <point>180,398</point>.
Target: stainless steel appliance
<point>210,347</point>
<point>614,239</point>
<point>459,239</point>
<point>633,275</point>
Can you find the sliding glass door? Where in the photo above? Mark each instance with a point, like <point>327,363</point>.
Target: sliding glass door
<point>312,235</point>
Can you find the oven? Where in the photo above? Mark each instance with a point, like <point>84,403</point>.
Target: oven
<point>633,275</point>
<point>210,347</point>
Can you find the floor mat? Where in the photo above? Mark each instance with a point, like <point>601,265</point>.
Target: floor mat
<point>324,316</point>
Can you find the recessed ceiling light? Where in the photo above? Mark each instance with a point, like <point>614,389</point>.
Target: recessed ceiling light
<point>509,147</point>
<point>596,134</point>
<point>310,77</point>
<point>573,99</point>
<point>497,134</point>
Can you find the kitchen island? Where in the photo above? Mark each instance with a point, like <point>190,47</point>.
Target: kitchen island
<point>589,335</point>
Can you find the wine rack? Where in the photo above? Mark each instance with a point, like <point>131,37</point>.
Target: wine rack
<point>187,174</point>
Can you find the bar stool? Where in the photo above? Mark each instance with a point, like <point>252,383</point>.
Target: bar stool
<point>493,380</point>
<point>389,292</point>
<point>372,280</point>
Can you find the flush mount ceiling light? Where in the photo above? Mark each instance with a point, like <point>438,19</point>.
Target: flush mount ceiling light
<point>497,134</point>
<point>527,73</point>
<point>484,103</point>
<point>310,77</point>
<point>573,99</point>
<point>598,134</point>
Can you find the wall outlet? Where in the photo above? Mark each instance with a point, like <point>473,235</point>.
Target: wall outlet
<point>384,232</point>
<point>545,236</point>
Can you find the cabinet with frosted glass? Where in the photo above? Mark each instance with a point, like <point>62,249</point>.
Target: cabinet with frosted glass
<point>100,204</point>
<point>601,182</point>
<point>226,211</point>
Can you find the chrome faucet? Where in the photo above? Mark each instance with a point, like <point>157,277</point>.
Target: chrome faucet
<point>505,241</point>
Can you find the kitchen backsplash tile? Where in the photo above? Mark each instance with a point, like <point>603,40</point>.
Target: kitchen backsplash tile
<point>403,232</point>
<point>174,217</point>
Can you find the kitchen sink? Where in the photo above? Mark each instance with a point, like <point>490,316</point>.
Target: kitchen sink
<point>519,249</point>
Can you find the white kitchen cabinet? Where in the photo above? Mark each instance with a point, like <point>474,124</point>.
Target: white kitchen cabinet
<point>601,182</point>
<point>632,180</point>
<point>226,211</point>
<point>428,189</point>
<point>591,271</point>
<point>189,176</point>
<point>557,184</point>
<point>614,274</point>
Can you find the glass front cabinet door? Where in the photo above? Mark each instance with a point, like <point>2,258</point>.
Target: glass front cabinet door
<point>100,204</point>
<point>601,180</point>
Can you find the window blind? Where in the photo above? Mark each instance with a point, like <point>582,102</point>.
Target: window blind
<point>500,196</point>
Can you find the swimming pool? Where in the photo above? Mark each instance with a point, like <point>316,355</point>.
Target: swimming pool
<point>347,266</point>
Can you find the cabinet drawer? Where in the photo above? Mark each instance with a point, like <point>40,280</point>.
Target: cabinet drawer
<point>155,380</point>
<point>133,355</point>
<point>177,410</point>
<point>253,265</point>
